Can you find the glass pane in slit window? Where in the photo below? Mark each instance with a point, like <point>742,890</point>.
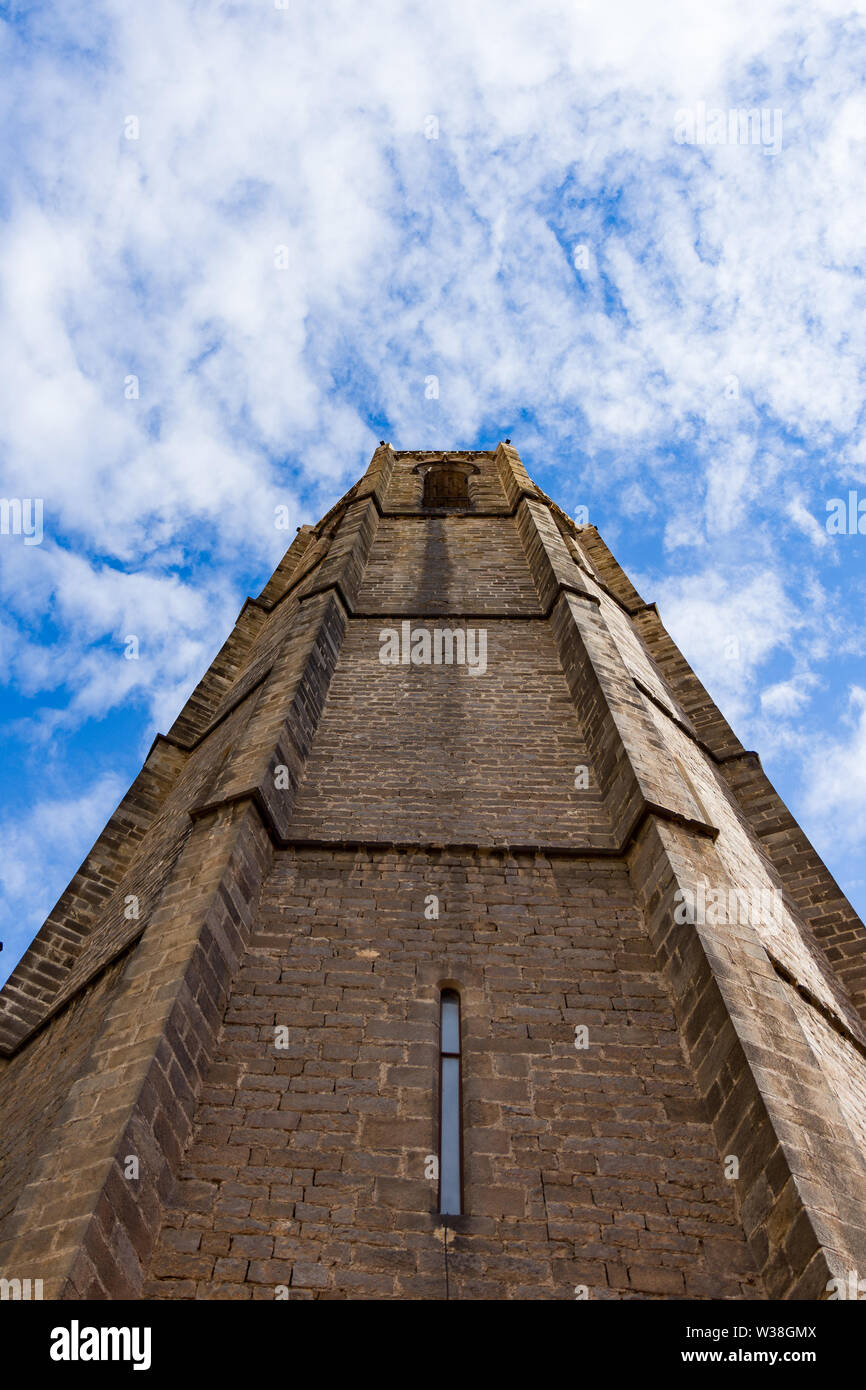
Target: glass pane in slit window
<point>450,1023</point>
<point>449,1173</point>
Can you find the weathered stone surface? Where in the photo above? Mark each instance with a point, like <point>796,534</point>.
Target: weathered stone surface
<point>261,1036</point>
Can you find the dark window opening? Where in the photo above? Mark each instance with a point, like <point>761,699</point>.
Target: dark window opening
<point>446,487</point>
<point>450,1106</point>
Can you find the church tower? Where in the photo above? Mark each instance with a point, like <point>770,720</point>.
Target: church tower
<point>449,944</point>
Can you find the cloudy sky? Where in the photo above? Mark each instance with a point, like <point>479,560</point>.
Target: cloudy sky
<point>238,240</point>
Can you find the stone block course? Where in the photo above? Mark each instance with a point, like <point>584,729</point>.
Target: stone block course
<point>262,1033</point>
<point>537,1099</point>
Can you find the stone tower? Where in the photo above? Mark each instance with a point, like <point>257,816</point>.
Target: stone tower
<point>450,933</point>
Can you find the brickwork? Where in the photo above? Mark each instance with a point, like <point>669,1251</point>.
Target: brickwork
<point>406,488</point>
<point>770,1101</point>
<point>33,988</point>
<point>432,760</point>
<point>592,1167</point>
<point>80,1223</point>
<point>834,924</point>
<point>448,565</point>
<point>272,868</point>
<point>34,1082</point>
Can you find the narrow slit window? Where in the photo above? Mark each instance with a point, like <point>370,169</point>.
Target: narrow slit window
<point>450,1106</point>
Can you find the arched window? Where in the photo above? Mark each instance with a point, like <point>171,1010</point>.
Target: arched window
<point>446,487</point>
<point>450,1106</point>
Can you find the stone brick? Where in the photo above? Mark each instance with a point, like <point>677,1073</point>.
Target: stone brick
<point>299,901</point>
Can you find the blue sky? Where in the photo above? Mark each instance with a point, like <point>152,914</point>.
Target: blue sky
<point>283,222</point>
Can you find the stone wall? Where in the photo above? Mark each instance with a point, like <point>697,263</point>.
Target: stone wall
<point>284,846</point>
<point>592,1167</point>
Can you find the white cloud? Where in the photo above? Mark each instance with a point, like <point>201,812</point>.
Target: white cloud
<point>406,257</point>
<point>729,625</point>
<point>835,781</point>
<point>787,698</point>
<point>807,522</point>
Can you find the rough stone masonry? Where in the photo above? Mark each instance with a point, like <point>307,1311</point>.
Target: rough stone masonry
<point>220,1057</point>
